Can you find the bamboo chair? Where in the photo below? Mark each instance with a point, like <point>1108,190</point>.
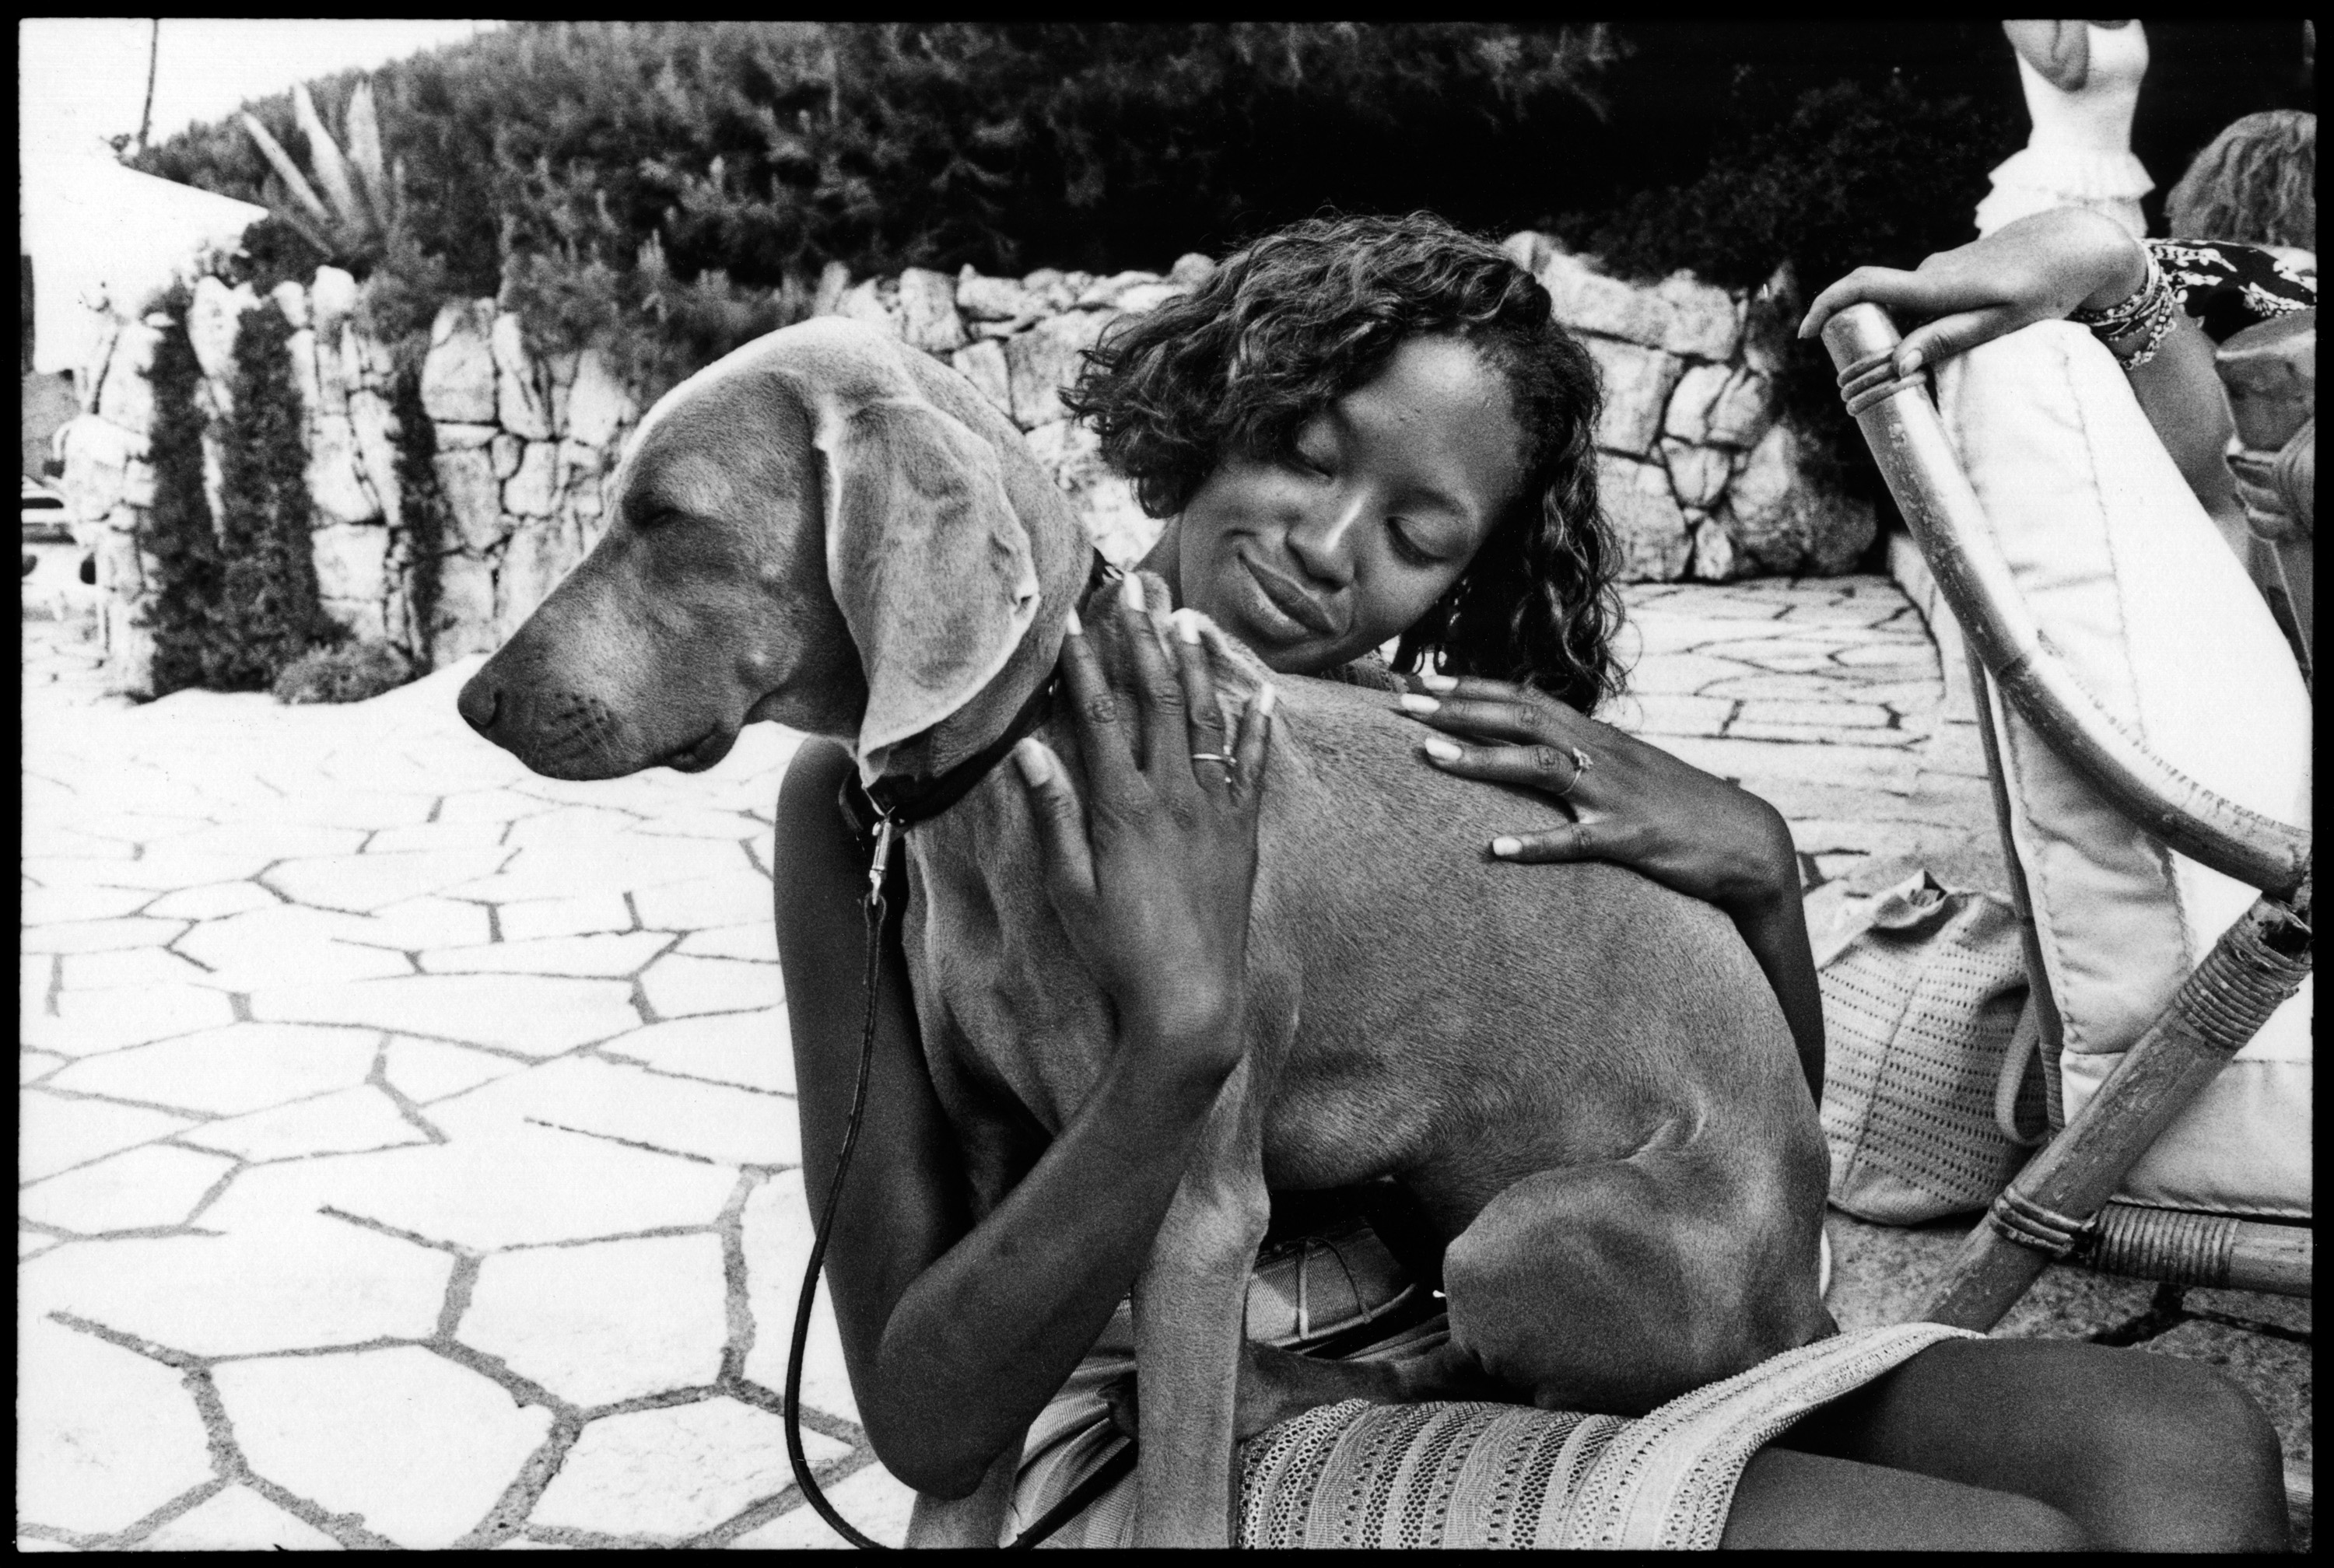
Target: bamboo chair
<point>2058,1207</point>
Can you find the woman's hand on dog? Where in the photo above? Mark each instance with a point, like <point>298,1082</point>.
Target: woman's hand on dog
<point>1152,874</point>
<point>1631,805</point>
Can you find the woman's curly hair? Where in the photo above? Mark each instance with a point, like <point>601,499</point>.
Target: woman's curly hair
<point>2256,183</point>
<point>1310,312</point>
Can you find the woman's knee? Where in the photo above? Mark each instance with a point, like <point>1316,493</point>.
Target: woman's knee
<point>2187,1457</point>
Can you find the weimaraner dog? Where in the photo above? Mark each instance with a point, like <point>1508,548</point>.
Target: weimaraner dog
<point>1580,1077</point>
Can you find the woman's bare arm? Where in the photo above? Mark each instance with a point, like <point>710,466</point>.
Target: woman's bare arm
<point>956,1334</point>
<point>2059,51</point>
<point>2041,269</point>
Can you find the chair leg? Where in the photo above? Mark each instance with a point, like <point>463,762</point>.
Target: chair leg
<point>2046,1211</point>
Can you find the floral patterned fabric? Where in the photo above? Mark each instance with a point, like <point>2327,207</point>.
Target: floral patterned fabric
<point>2226,287</point>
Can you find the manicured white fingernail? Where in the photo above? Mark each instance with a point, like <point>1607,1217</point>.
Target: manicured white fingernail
<point>1417,704</point>
<point>1909,361</point>
<point>1440,750</point>
<point>1029,756</point>
<point>1131,595</point>
<point>1507,849</point>
<point>1434,682</point>
<point>1267,698</point>
<point>1074,626</point>
<point>1187,625</point>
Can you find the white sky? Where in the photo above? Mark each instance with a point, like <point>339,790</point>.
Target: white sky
<point>81,80</point>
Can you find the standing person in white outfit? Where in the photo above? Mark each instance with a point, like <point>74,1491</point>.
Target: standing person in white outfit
<point>2082,83</point>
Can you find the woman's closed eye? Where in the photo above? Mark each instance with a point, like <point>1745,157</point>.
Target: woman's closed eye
<point>1411,546</point>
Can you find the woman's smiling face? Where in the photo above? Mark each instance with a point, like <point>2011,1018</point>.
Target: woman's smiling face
<point>1318,557</point>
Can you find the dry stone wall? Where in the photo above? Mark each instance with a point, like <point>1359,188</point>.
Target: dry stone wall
<point>1700,477</point>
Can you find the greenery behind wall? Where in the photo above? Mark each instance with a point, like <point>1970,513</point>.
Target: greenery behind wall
<point>669,190</point>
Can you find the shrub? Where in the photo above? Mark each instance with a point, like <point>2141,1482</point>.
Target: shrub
<point>177,532</point>
<point>422,506</point>
<point>1851,174</point>
<point>348,674</point>
<point>269,611</point>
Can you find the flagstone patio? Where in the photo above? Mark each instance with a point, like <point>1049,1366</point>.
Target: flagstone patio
<point>408,1153</point>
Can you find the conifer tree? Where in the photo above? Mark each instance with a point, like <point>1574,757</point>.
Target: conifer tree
<point>177,534</point>
<point>270,610</point>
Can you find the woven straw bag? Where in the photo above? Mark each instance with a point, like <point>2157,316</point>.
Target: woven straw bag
<point>1930,1040</point>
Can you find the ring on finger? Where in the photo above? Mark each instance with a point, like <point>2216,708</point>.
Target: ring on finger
<point>1232,764</point>
<point>1581,763</point>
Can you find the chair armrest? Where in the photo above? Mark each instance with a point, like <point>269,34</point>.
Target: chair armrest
<point>1908,439</point>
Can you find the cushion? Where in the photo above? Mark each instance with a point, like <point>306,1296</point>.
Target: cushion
<point>2133,586</point>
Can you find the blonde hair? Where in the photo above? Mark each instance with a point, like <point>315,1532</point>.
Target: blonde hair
<point>2254,183</point>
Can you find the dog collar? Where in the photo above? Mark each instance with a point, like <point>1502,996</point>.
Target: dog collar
<point>902,802</point>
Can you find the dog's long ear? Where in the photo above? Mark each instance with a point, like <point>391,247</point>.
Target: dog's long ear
<point>927,559</point>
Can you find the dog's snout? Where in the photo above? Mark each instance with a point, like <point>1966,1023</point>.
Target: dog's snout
<point>480,704</point>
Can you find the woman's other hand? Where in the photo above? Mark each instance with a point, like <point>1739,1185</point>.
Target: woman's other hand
<point>2038,269</point>
<point>1631,804</point>
<point>1152,878</point>
<point>1636,805</point>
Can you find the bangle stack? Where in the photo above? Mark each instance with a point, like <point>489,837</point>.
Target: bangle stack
<point>2135,328</point>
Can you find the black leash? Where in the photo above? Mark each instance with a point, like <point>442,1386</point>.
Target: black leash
<point>884,810</point>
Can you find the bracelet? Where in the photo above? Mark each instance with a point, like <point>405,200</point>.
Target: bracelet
<point>2121,317</point>
<point>2148,311</point>
<point>2161,314</point>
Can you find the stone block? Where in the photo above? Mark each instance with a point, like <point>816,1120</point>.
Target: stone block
<point>1687,419</point>
<point>473,495</point>
<point>1191,269</point>
<point>375,425</point>
<point>457,378</point>
<point>598,405</point>
<point>1105,502</point>
<point>522,405</point>
<point>462,438</point>
<point>97,457</point>
<point>213,315</point>
<point>1043,360</point>
<point>507,449</point>
<point>543,550</point>
<point>1783,522</point>
<point>1703,321</point>
<point>866,302</point>
<point>1646,519</point>
<point>1585,299</point>
<point>1103,294</point>
<point>606,1321</point>
<point>983,364</point>
<point>301,348</point>
<point>673,1472</point>
<point>365,618</point>
<point>1055,290</point>
<point>1637,383</point>
<point>928,316</point>
<point>1743,411</point>
<point>125,397</point>
<point>332,297</point>
<point>419,1447</point>
<point>988,299</point>
<point>532,486</point>
<point>834,279</point>
<point>292,301</point>
<point>1528,249</point>
<point>1715,559</point>
<point>104,1437</point>
<point>1697,474</point>
<point>1144,297</point>
<point>336,483</point>
<point>351,560</point>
